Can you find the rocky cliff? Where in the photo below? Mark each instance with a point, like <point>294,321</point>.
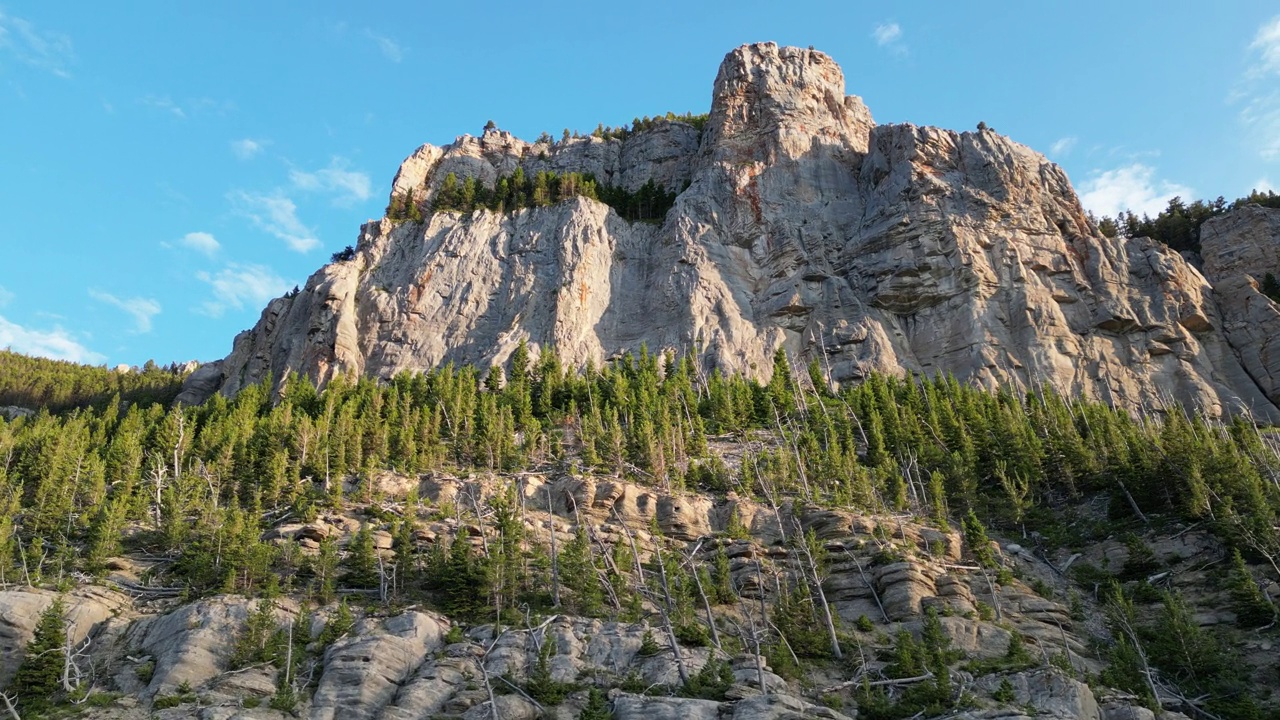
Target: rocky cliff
<point>800,224</point>
<point>144,652</point>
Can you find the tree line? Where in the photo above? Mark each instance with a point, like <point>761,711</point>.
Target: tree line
<point>70,480</point>
<point>200,486</point>
<point>1178,225</point>
<point>650,202</point>
<point>60,385</point>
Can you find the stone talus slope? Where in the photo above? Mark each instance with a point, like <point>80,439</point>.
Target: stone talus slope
<point>801,225</point>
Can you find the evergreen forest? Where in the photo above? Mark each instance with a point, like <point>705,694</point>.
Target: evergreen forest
<point>84,480</point>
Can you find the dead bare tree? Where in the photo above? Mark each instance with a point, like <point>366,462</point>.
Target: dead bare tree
<point>10,705</point>
<point>73,675</point>
<point>664,609</point>
<point>555,560</point>
<point>1120,612</point>
<point>697,581</point>
<point>814,578</point>
<point>858,563</point>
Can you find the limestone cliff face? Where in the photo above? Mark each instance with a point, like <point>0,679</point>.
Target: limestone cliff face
<point>1239,250</point>
<point>800,224</point>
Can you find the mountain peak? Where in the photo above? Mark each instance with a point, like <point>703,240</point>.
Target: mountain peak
<point>786,219</point>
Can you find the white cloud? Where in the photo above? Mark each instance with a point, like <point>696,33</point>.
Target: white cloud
<point>391,50</point>
<point>1262,185</point>
<point>1132,187</point>
<point>277,215</point>
<point>248,148</point>
<point>236,285</point>
<point>1266,45</point>
<point>41,49</point>
<point>1260,115</point>
<point>887,34</point>
<point>346,186</point>
<point>141,309</point>
<point>56,343</point>
<point>6,297</point>
<point>187,108</point>
<point>1062,146</point>
<point>201,242</point>
<point>165,104</point>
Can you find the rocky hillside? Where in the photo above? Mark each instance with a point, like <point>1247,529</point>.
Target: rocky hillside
<point>917,607</point>
<point>799,224</point>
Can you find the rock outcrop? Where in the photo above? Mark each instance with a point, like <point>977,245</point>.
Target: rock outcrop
<point>801,225</point>
<point>155,655</point>
<point>1240,249</point>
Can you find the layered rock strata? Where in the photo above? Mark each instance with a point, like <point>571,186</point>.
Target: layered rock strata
<point>800,224</point>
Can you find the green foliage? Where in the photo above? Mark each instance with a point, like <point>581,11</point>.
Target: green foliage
<point>1178,225</point>
<point>38,682</point>
<point>975,537</point>
<point>258,641</point>
<point>285,699</point>
<point>795,614</point>
<point>59,385</point>
<point>338,625</point>
<point>197,483</point>
<point>649,202</point>
<point>164,702</point>
<point>597,707</point>
<point>540,685</point>
<point>1251,607</point>
<point>1141,561</point>
<point>648,123</point>
<point>932,655</point>
<point>711,682</point>
<point>1004,693</point>
<point>1271,287</point>
<point>720,590</point>
<point>1015,658</point>
<point>361,561</point>
<point>579,575</point>
<point>648,645</point>
<point>864,624</point>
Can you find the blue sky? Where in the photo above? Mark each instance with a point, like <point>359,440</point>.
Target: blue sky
<point>166,168</point>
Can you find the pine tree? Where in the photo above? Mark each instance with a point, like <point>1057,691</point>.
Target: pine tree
<point>597,707</point>
<point>1251,606</point>
<point>975,536</point>
<point>361,562</point>
<point>38,682</point>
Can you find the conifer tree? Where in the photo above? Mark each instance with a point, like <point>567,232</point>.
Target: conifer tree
<point>38,682</point>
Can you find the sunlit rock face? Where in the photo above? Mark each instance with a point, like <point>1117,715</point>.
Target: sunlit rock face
<point>800,224</point>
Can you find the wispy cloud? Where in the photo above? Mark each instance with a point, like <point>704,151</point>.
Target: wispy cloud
<point>345,186</point>
<point>49,51</point>
<point>1258,90</point>
<point>248,148</point>
<point>277,215</point>
<point>186,108</point>
<point>140,309</point>
<point>201,242</point>
<point>236,286</point>
<point>1132,187</point>
<point>165,104</point>
<point>391,49</point>
<point>1266,48</point>
<point>889,36</point>
<point>6,297</point>
<point>56,343</point>
<point>1062,146</point>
